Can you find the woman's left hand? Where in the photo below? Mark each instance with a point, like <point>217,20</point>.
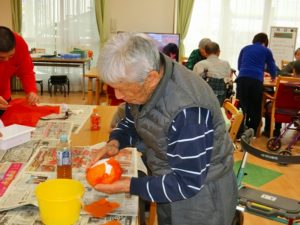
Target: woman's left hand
<point>119,186</point>
<point>32,98</point>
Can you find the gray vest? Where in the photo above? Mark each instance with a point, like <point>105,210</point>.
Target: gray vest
<point>180,88</point>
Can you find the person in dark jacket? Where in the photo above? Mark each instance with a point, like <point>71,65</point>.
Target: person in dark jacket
<point>288,69</point>
<point>197,54</point>
<point>251,65</point>
<point>177,116</point>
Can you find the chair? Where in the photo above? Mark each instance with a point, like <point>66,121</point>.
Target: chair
<point>285,101</point>
<point>40,82</point>
<point>91,75</point>
<point>59,82</point>
<point>218,85</point>
<point>152,214</point>
<point>235,117</point>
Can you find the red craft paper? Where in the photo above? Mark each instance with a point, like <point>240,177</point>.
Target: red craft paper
<point>20,112</point>
<point>112,222</point>
<point>101,207</point>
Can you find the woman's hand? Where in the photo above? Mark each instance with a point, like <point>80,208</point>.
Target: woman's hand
<point>110,149</point>
<point>120,186</point>
<point>32,98</point>
<point>3,104</point>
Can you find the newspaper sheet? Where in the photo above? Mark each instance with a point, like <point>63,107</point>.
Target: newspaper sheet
<point>76,114</point>
<point>29,215</point>
<point>42,166</point>
<point>51,130</point>
<point>8,172</point>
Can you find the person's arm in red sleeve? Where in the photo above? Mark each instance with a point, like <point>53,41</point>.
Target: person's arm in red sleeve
<point>25,70</point>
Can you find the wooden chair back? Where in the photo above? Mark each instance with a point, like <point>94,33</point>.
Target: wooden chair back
<point>286,101</point>
<point>236,118</point>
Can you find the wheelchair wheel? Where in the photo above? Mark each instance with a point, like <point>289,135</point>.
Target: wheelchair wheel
<point>238,218</point>
<point>273,144</point>
<point>285,153</point>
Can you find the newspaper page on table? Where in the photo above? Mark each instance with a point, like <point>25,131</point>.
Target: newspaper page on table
<point>75,114</point>
<point>13,160</point>
<point>51,130</point>
<point>42,166</point>
<point>29,215</point>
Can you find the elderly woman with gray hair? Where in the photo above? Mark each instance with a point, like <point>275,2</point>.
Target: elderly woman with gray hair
<point>178,118</point>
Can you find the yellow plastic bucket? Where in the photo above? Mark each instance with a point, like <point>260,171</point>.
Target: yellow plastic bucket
<point>59,201</point>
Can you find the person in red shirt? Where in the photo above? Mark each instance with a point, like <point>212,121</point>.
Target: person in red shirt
<point>15,60</point>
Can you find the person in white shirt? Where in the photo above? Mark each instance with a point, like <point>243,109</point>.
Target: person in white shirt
<point>216,71</point>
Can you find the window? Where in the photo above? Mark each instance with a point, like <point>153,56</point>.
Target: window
<point>233,23</point>
<point>60,25</point>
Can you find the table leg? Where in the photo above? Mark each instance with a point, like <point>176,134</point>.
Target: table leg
<point>83,81</point>
<point>98,90</point>
<point>90,91</point>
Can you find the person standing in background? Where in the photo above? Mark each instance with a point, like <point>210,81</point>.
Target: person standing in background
<point>197,54</point>
<point>251,65</point>
<point>15,60</point>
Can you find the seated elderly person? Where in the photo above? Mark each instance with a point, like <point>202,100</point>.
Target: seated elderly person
<point>217,72</point>
<point>288,69</point>
<point>197,54</point>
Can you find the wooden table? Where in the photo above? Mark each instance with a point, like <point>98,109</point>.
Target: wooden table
<point>62,62</point>
<point>268,82</point>
<point>87,137</point>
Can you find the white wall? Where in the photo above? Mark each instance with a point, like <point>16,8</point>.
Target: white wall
<point>142,15</point>
<point>126,15</point>
<point>5,14</point>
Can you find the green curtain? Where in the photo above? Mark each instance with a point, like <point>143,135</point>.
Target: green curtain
<point>184,12</point>
<point>101,9</point>
<point>16,11</point>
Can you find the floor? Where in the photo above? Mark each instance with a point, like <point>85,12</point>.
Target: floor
<point>285,185</point>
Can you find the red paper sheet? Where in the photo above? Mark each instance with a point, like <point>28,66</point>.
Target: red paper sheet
<point>20,112</point>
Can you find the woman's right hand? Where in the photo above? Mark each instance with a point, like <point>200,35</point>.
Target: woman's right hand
<point>110,149</point>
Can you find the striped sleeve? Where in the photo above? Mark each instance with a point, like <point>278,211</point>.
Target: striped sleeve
<point>190,143</point>
<point>125,131</point>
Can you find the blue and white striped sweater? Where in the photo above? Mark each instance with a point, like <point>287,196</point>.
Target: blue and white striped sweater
<point>190,143</point>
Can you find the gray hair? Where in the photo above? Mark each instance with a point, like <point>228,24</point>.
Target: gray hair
<point>203,43</point>
<point>128,57</point>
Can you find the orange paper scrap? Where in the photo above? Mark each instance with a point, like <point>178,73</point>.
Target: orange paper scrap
<point>113,222</point>
<point>101,207</point>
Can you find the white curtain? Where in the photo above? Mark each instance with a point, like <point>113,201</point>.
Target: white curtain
<point>233,23</point>
<point>61,25</point>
